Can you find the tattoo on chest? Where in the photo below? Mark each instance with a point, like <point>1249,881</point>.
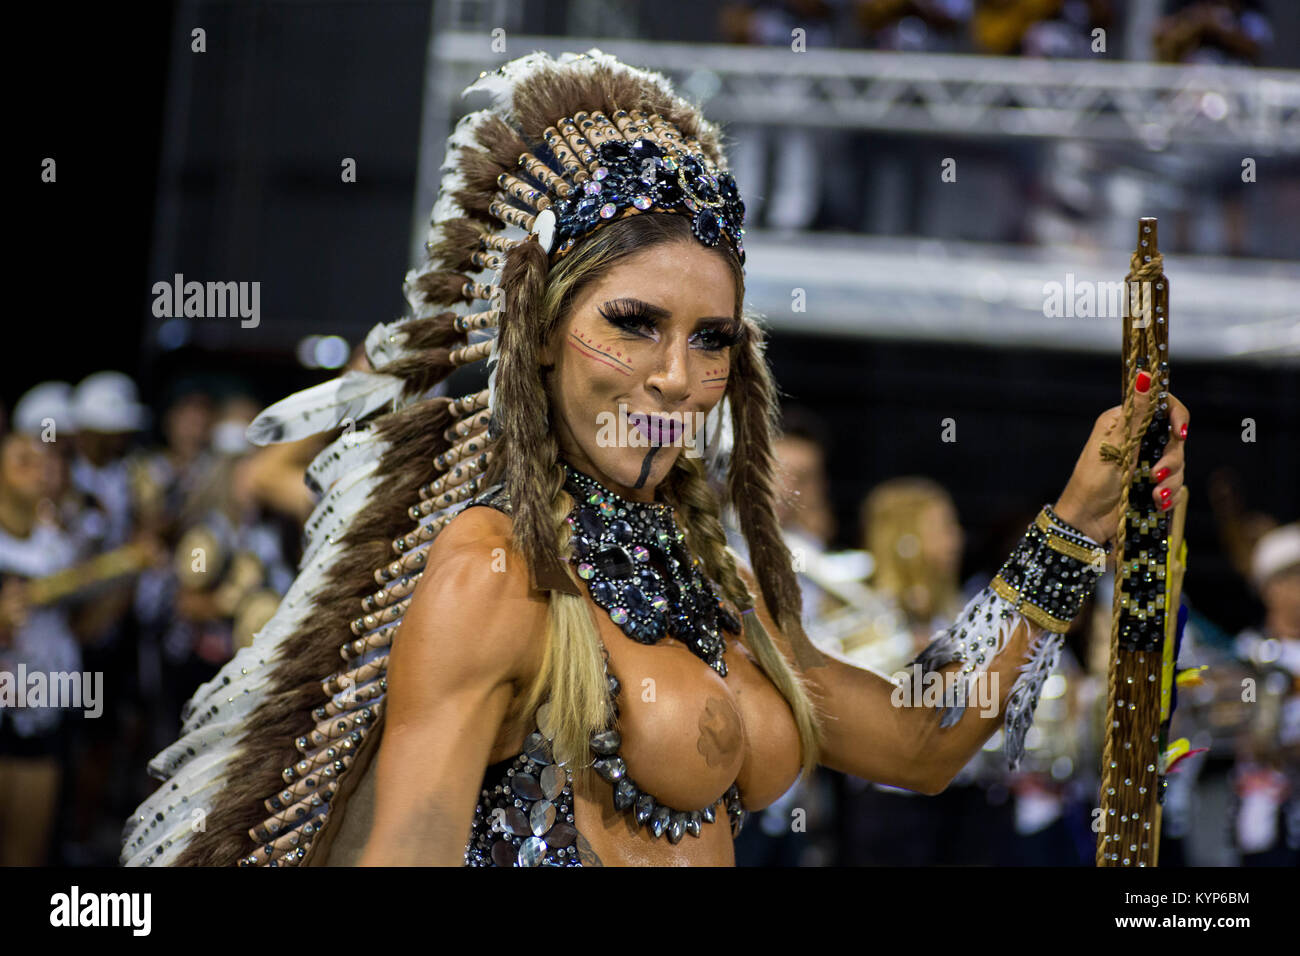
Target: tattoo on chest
<point>720,732</point>
<point>586,855</point>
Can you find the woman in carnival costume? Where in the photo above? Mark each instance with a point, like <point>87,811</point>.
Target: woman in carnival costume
<point>584,673</point>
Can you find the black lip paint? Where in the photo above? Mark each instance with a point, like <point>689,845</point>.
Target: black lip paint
<point>645,466</point>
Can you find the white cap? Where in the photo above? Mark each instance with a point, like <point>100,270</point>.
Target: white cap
<point>108,402</point>
<point>48,401</point>
<point>1274,552</point>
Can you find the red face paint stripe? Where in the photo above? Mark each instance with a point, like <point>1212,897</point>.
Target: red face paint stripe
<point>597,358</point>
<point>599,351</point>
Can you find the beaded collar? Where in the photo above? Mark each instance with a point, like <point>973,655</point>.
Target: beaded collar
<point>633,557</point>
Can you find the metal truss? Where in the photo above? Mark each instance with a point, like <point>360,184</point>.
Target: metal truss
<point>1153,105</point>
<point>994,294</point>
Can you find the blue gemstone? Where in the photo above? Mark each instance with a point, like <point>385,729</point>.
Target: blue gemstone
<point>614,562</point>
<point>635,600</point>
<point>644,148</point>
<point>591,523</point>
<point>708,227</point>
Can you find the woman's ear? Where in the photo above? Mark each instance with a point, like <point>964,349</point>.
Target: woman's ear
<point>546,354</point>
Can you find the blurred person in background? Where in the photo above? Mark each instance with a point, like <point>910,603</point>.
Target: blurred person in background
<point>1038,28</point>
<point>108,417</point>
<point>1216,32</point>
<point>918,26</point>
<point>1266,818</point>
<point>229,568</point>
<point>37,637</point>
<point>911,530</point>
<point>796,830</point>
<point>163,479</point>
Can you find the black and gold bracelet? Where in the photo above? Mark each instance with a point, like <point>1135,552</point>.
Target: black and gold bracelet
<point>1051,572</point>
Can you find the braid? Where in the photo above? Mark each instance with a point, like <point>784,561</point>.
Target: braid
<point>749,485</point>
<point>687,489</point>
<point>531,474</point>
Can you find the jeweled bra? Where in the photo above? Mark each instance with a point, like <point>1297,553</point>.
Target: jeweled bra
<point>634,560</point>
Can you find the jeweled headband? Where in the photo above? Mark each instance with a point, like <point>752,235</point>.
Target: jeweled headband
<point>636,163</point>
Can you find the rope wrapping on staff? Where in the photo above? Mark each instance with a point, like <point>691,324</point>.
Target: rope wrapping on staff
<point>1141,342</point>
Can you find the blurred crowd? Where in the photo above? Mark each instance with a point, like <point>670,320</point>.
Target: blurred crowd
<point>144,562</point>
<point>1233,800</point>
<point>152,563</point>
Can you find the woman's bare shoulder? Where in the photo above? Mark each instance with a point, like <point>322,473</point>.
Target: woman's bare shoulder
<point>476,590</point>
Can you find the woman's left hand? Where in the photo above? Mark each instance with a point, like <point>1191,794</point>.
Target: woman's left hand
<point>1091,500</point>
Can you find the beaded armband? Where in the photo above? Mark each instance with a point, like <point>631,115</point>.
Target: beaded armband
<point>1051,572</point>
<point>1046,581</point>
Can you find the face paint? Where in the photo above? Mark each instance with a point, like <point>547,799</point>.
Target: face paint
<point>598,352</point>
<point>715,378</point>
<point>647,344</point>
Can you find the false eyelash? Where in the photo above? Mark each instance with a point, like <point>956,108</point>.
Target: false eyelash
<point>725,338</point>
<point>626,315</point>
<point>633,317</point>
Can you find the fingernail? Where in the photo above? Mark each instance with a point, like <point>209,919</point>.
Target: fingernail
<point>1143,382</point>
<point>1168,503</point>
<point>1164,494</point>
<point>1160,475</point>
<point>1182,432</point>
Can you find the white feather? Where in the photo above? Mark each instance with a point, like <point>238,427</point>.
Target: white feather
<point>233,703</point>
<point>339,509</point>
<point>385,342</point>
<point>349,451</point>
<point>323,407</point>
<point>721,441</point>
<point>171,760</point>
<point>247,660</point>
<point>447,207</point>
<point>194,777</point>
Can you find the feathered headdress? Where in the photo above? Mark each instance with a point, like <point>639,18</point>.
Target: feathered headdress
<point>271,747</point>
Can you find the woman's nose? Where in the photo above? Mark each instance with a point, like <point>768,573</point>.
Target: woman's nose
<point>670,374</point>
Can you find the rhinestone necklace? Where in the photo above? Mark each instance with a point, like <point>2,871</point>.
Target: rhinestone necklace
<point>633,557</point>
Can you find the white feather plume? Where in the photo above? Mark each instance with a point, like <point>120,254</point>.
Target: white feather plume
<point>323,407</point>
<point>337,509</point>
<point>349,451</point>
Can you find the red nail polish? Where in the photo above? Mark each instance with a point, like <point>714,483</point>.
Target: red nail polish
<point>1160,475</point>
<point>1164,494</point>
<point>1182,432</point>
<point>1168,503</point>
<point>1143,382</point>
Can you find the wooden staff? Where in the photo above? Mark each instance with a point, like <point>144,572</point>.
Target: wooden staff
<point>1148,578</point>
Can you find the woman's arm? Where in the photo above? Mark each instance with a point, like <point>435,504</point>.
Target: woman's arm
<point>898,735</point>
<point>466,644</point>
<point>879,731</point>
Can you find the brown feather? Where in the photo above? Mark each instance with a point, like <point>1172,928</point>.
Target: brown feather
<point>443,288</point>
<point>458,241</point>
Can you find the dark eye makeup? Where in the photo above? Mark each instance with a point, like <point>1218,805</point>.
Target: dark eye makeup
<point>638,318</point>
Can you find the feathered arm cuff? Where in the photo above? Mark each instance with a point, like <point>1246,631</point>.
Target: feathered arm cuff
<point>1044,583</point>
